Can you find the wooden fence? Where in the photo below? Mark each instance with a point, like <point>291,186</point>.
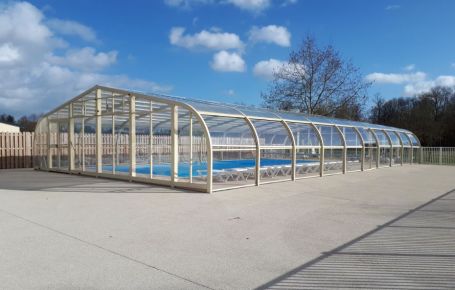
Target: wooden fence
<point>16,150</point>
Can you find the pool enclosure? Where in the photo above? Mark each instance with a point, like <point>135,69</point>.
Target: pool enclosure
<point>207,146</point>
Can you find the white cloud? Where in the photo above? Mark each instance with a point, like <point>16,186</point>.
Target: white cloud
<point>266,68</point>
<point>254,6</point>
<point>224,61</point>
<point>8,54</point>
<point>67,27</point>
<point>185,3</point>
<point>414,83</point>
<point>229,93</point>
<point>271,34</point>
<point>391,78</point>
<point>33,78</point>
<point>86,59</point>
<point>205,39</point>
<point>410,67</point>
<point>289,2</point>
<point>251,5</point>
<point>392,7</point>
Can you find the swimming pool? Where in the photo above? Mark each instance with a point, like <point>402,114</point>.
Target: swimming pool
<point>200,168</point>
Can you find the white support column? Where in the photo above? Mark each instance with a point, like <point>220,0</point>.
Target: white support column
<point>191,147</point>
<point>70,138</point>
<point>98,137</point>
<point>174,145</point>
<point>49,148</point>
<point>345,150</point>
<point>151,139</point>
<point>114,143</point>
<point>132,135</point>
<point>83,137</point>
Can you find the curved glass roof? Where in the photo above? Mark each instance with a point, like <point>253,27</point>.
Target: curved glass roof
<point>215,108</point>
<point>234,110</point>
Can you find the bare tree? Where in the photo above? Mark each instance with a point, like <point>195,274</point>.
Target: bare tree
<point>317,81</point>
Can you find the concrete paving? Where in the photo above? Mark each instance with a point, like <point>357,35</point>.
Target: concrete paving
<point>62,231</point>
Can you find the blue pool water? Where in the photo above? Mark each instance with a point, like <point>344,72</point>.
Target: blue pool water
<point>200,168</point>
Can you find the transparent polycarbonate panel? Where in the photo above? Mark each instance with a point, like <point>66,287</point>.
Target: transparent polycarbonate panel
<point>121,158</point>
<point>394,138</point>
<point>78,141</point>
<point>41,144</point>
<point>371,156</point>
<point>161,142</point>
<point>143,143</point>
<point>107,150</point>
<point>351,136</point>
<point>405,139</point>
<point>354,159</point>
<point>304,134</point>
<point>415,142</point>
<point>333,161</point>
<point>382,138</point>
<point>396,156</point>
<point>276,164</point>
<point>200,151</point>
<point>257,113</point>
<point>308,162</point>
<point>121,103</point>
<point>89,108</point>
<point>90,144</point>
<point>78,108</point>
<point>192,148</point>
<point>330,136</point>
<point>384,156</point>
<point>368,137</point>
<point>209,107</point>
<point>229,132</point>
<point>62,146</point>
<point>232,168</point>
<point>321,119</point>
<point>290,116</point>
<point>53,144</point>
<point>272,133</point>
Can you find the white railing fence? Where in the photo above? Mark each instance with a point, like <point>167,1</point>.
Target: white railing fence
<point>437,155</point>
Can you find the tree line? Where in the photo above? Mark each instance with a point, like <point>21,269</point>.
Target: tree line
<point>318,80</point>
<point>25,123</point>
<point>431,115</point>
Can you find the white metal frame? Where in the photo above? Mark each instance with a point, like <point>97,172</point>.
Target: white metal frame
<point>198,116</point>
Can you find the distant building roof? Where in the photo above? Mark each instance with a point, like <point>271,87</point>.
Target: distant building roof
<point>9,128</point>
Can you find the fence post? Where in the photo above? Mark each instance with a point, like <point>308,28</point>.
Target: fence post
<point>440,155</point>
<point>421,155</point>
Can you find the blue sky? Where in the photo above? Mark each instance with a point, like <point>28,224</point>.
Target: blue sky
<point>211,49</point>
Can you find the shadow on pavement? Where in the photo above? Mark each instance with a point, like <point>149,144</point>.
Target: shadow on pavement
<point>29,179</point>
<point>414,251</point>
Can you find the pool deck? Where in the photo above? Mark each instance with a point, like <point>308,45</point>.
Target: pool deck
<point>387,228</point>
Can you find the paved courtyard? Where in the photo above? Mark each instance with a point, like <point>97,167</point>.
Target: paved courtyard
<point>388,228</point>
